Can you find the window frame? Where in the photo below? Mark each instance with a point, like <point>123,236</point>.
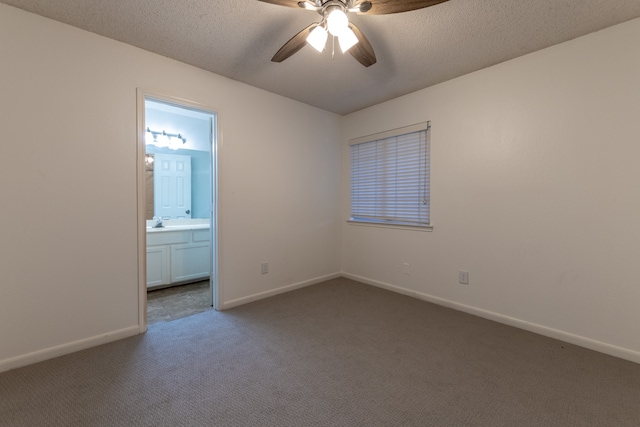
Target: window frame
<point>424,173</point>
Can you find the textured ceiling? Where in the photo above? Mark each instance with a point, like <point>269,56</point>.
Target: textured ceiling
<point>237,38</point>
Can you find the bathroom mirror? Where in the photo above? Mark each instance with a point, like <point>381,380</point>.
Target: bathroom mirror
<point>181,136</point>
<point>200,181</point>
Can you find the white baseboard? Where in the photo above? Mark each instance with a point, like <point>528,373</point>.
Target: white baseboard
<point>255,297</point>
<point>578,340</point>
<point>61,350</point>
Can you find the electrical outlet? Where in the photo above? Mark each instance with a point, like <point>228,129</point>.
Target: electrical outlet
<point>463,277</point>
<point>264,267</point>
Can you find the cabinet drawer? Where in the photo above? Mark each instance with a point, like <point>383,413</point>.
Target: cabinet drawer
<point>167,238</point>
<point>202,235</point>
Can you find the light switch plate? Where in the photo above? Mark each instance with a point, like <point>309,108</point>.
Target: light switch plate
<point>463,277</point>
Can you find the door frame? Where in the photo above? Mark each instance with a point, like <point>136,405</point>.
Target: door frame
<point>216,291</point>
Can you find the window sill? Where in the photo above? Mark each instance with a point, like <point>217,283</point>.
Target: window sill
<point>423,228</point>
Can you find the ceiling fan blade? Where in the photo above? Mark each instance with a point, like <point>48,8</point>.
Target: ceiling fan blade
<point>362,51</point>
<point>289,3</point>
<point>294,44</point>
<point>385,7</point>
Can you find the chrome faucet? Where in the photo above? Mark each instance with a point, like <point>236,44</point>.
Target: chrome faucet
<point>157,222</point>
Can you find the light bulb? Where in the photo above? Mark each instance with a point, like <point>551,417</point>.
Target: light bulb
<point>347,39</point>
<point>337,22</point>
<point>317,38</point>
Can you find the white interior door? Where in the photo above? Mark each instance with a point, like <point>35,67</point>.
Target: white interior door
<point>172,186</point>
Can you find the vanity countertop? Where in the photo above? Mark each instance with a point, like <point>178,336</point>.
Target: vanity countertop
<point>183,227</point>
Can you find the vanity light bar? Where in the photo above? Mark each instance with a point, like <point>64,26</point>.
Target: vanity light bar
<point>155,134</point>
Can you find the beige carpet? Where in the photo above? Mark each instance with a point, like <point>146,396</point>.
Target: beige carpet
<point>335,354</point>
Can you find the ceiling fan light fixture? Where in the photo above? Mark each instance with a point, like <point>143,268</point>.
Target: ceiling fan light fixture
<point>318,38</point>
<point>347,39</point>
<point>337,21</point>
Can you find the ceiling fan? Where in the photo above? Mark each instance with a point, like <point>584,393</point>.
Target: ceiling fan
<point>336,23</point>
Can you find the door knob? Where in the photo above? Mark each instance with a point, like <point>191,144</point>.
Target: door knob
<point>188,211</point>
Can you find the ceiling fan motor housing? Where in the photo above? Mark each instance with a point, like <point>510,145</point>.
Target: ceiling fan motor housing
<point>345,5</point>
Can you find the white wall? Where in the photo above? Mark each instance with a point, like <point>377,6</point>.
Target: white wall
<point>534,191</point>
<point>68,252</point>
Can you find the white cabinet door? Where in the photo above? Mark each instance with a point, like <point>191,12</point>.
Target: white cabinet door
<point>157,265</point>
<point>191,261</point>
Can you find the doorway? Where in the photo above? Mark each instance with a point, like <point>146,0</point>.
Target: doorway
<point>177,208</point>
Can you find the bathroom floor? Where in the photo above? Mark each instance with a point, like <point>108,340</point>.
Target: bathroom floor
<point>179,301</point>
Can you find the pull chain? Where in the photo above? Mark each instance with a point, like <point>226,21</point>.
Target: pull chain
<point>333,47</point>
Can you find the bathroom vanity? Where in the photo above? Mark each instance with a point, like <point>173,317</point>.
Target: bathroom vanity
<point>178,253</point>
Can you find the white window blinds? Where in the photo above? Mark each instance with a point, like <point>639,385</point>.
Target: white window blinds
<point>390,177</point>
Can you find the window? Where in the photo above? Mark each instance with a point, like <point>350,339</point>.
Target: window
<point>390,177</point>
